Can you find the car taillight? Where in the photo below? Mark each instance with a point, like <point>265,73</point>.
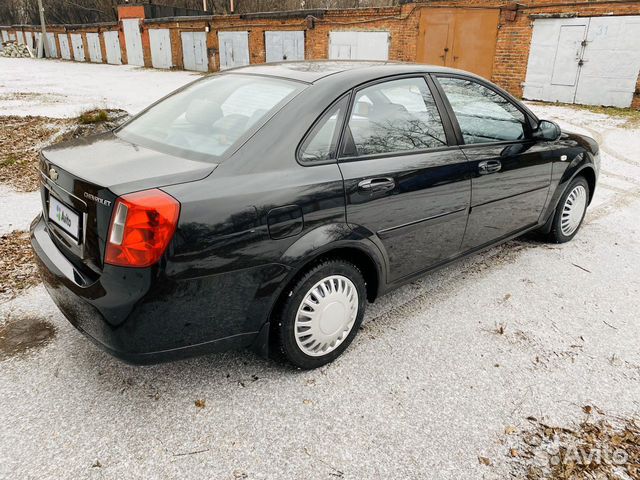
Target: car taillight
<point>142,225</point>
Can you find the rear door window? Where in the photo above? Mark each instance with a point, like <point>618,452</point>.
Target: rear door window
<point>394,116</point>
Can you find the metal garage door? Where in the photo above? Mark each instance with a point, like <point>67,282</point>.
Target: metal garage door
<point>591,60</point>
<point>462,38</point>
<point>160,42</point>
<point>28,38</point>
<point>359,45</point>
<point>133,41</point>
<point>112,48</point>
<point>93,44</point>
<point>234,49</point>
<point>78,47</point>
<point>194,51</point>
<point>20,37</point>
<point>284,45</point>
<point>5,36</point>
<point>53,50</point>
<point>65,49</point>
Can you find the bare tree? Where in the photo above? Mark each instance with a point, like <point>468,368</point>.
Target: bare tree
<point>93,11</point>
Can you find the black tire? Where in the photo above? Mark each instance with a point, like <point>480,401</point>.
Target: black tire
<point>285,321</point>
<point>556,234</point>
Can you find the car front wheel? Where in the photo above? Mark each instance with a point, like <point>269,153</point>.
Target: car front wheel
<point>322,313</point>
<point>570,211</point>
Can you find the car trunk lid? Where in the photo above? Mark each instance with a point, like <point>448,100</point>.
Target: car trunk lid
<point>82,179</point>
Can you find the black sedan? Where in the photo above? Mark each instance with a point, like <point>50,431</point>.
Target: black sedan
<point>264,206</point>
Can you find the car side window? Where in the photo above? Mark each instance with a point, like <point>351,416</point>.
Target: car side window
<point>484,115</point>
<point>322,142</point>
<point>394,116</point>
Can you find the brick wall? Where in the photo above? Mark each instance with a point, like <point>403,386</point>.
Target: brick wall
<point>512,45</point>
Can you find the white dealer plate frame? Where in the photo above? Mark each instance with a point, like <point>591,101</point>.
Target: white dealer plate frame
<point>64,217</point>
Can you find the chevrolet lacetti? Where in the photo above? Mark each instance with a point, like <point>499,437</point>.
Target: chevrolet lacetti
<point>265,206</point>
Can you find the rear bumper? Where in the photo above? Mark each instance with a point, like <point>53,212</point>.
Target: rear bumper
<point>141,316</point>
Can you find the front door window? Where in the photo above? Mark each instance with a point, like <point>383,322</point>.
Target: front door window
<point>484,115</point>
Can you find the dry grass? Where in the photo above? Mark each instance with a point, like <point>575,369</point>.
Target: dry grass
<point>21,138</point>
<point>17,264</point>
<point>93,116</point>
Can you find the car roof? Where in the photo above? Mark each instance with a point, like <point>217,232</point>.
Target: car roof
<point>313,71</point>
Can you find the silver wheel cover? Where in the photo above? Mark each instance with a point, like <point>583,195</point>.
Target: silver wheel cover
<point>326,315</point>
<point>573,210</point>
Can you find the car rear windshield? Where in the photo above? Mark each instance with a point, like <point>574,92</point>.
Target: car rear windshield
<point>208,117</point>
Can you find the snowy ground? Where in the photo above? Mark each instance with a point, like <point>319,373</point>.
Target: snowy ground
<point>428,386</point>
<point>55,88</point>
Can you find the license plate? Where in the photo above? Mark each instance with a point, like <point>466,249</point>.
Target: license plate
<point>64,217</point>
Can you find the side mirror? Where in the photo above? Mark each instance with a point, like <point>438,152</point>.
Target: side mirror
<point>547,130</point>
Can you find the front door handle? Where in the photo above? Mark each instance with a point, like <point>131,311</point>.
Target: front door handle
<point>381,184</point>
<point>489,166</point>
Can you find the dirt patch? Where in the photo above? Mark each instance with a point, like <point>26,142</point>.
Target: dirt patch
<point>46,98</point>
<point>17,264</point>
<point>600,447</point>
<point>21,334</point>
<point>21,138</point>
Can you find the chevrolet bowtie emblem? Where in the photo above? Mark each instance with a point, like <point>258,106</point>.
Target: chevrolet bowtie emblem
<point>53,174</point>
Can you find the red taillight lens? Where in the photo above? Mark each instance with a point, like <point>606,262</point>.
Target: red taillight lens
<point>142,225</point>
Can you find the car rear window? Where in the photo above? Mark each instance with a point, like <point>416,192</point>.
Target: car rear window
<point>208,117</point>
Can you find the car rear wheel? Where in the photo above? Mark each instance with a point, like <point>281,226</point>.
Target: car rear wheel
<point>570,211</point>
<point>321,314</point>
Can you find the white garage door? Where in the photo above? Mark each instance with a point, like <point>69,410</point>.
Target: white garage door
<point>133,41</point>
<point>5,36</point>
<point>93,44</point>
<point>28,38</point>
<point>78,47</point>
<point>194,51</point>
<point>112,47</point>
<point>160,40</point>
<point>284,45</point>
<point>51,40</point>
<point>359,45</point>
<point>591,60</point>
<point>65,49</point>
<point>234,49</point>
<point>20,37</point>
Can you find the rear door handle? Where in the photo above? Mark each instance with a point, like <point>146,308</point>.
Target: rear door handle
<point>381,184</point>
<point>489,166</point>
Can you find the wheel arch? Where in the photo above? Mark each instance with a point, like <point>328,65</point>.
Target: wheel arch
<point>589,173</point>
<point>336,241</point>
<point>584,169</point>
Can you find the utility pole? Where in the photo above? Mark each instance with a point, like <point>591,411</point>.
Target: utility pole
<point>204,5</point>
<point>44,41</point>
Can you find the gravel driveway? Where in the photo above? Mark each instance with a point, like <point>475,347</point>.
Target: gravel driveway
<point>438,372</point>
